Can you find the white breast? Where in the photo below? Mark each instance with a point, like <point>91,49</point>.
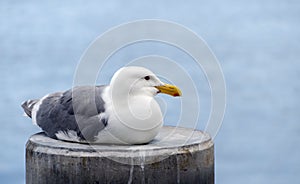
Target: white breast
<point>135,122</point>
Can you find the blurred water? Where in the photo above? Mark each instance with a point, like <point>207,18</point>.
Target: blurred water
<point>257,43</point>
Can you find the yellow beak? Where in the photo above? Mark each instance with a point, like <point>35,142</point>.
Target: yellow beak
<point>169,89</point>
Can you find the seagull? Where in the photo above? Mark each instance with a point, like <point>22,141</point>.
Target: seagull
<point>123,112</point>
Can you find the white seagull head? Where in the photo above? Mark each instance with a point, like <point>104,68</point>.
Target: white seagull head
<point>134,80</point>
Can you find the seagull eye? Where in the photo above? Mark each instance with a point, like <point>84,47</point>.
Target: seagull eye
<point>147,77</point>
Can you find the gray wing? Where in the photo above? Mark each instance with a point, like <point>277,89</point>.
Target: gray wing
<point>80,109</point>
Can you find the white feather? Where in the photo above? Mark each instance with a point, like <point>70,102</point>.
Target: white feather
<point>70,135</point>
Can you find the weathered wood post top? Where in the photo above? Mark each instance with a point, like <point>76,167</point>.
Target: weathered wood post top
<point>177,155</point>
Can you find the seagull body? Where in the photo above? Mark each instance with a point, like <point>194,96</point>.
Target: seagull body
<point>124,112</point>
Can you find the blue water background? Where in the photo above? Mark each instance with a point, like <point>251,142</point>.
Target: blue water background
<point>256,42</point>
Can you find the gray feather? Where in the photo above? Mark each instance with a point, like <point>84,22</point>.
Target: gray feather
<point>76,109</point>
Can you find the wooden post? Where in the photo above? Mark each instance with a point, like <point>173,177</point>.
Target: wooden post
<point>177,155</point>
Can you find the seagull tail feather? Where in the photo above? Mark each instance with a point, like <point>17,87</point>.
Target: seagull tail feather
<point>28,106</point>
